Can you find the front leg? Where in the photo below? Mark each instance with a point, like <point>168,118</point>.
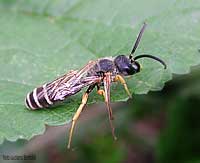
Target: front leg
<point>123,82</point>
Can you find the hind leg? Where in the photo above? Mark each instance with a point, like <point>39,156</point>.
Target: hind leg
<point>106,94</point>
<point>78,112</point>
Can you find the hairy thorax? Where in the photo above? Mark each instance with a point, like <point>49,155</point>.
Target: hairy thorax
<point>103,65</point>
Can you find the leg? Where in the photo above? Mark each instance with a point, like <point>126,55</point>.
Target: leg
<point>77,114</point>
<point>102,93</point>
<point>106,94</point>
<point>122,81</point>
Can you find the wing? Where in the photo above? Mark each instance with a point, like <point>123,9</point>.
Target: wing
<point>71,83</point>
<point>49,88</point>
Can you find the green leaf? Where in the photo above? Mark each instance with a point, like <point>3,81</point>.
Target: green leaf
<point>41,40</point>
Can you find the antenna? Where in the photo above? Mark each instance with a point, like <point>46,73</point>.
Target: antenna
<point>137,40</point>
<point>152,57</point>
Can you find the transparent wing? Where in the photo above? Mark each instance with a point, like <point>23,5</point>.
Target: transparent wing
<point>71,83</point>
<point>50,88</point>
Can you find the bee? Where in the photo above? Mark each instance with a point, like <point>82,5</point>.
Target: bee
<point>100,74</point>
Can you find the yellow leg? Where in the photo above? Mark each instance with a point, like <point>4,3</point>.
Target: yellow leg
<point>77,114</point>
<point>122,81</point>
<point>102,92</point>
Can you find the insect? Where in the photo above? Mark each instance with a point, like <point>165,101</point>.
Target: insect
<point>100,74</point>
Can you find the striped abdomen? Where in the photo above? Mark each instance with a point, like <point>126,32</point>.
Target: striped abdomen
<point>38,98</point>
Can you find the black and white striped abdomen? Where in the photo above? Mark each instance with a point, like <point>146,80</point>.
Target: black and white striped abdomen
<point>38,98</point>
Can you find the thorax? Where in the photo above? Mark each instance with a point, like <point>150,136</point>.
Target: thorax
<point>103,65</point>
